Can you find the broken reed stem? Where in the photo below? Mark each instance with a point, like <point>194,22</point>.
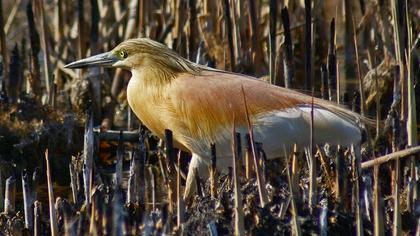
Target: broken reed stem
<point>73,183</point>
<point>213,172</point>
<point>170,163</point>
<point>131,188</point>
<point>392,156</point>
<point>260,181</point>
<point>179,199</point>
<point>53,219</point>
<point>88,157</point>
<point>37,218</point>
<point>248,158</point>
<point>288,62</point>
<point>10,195</point>
<point>27,200</point>
<point>238,209</point>
<point>294,210</point>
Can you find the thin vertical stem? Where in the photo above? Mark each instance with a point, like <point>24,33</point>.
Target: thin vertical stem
<point>238,209</point>
<point>272,41</point>
<point>53,219</point>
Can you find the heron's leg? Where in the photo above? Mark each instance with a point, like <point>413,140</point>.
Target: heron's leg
<point>197,165</point>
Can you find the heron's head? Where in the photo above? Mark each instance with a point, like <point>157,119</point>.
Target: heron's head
<point>137,54</point>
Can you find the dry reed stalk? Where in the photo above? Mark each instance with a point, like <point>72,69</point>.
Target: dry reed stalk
<point>34,76</point>
<point>332,64</point>
<point>272,41</point>
<point>295,175</point>
<point>131,188</point>
<point>309,83</point>
<point>396,226</point>
<point>359,73</point>
<point>81,39</point>
<point>294,210</point>
<point>140,19</point>
<point>254,32</point>
<point>73,183</point>
<point>45,47</point>
<point>1,192</point>
<point>140,159</point>
<point>392,156</point>
<point>88,157</point>
<point>37,219</point>
<point>27,200</point>
<point>340,175</point>
<point>288,61</point>
<point>378,205</point>
<point>119,164</point>
<point>229,28</point>
<point>308,45</point>
<point>10,195</point>
<point>58,24</point>
<point>53,219</point>
<point>170,164</point>
<point>238,209</point>
<point>349,60</point>
<point>260,181</point>
<point>236,7</point>
<point>153,187</point>
<point>200,191</point>
<point>12,16</point>
<point>328,173</point>
<point>192,39</point>
<point>179,199</point>
<point>356,185</point>
<point>15,78</point>
<point>213,172</point>
<point>411,107</point>
<point>3,45</point>
<point>249,167</point>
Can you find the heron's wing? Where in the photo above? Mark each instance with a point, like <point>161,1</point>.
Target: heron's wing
<point>206,104</point>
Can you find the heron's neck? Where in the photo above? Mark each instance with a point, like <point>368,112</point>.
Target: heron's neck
<point>153,77</point>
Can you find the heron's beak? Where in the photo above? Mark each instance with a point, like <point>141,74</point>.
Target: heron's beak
<point>106,59</point>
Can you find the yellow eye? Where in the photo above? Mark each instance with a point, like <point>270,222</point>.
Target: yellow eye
<point>123,54</point>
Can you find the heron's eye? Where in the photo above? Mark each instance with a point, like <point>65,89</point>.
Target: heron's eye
<point>123,54</point>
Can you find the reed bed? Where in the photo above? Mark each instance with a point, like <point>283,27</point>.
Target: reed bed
<point>74,160</point>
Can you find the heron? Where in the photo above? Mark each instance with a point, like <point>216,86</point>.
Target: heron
<point>201,105</point>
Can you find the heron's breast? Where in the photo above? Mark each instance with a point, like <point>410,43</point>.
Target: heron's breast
<point>144,104</point>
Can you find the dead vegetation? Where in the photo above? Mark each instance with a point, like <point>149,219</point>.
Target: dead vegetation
<point>97,180</point>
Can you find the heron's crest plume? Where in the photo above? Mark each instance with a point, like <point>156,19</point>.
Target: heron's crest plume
<point>143,52</point>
